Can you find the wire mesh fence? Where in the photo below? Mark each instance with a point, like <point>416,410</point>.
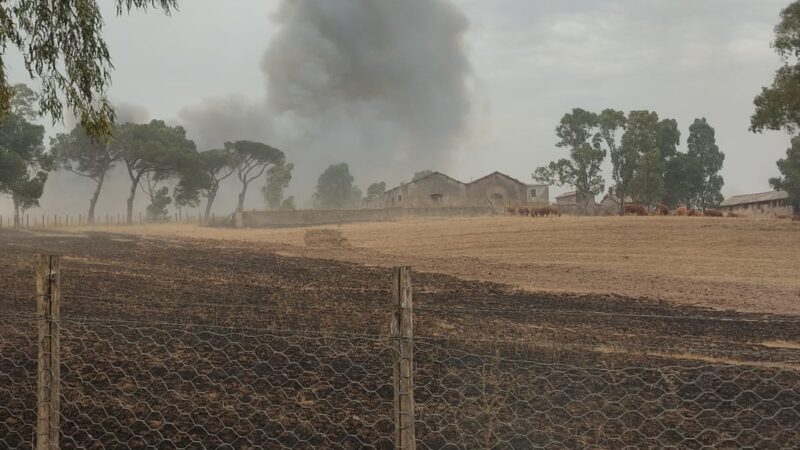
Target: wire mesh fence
<point>135,379</point>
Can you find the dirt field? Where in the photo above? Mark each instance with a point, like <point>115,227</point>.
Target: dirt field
<point>727,264</point>
<point>194,343</point>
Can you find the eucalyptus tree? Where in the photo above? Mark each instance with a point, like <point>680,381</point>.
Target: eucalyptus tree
<point>577,131</point>
<point>62,45</point>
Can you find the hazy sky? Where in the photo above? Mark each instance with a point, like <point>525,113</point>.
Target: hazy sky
<point>531,60</point>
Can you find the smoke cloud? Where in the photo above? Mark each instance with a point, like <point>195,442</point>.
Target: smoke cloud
<point>381,84</point>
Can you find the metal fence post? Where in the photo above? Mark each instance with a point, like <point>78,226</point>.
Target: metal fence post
<point>402,333</point>
<point>48,298</point>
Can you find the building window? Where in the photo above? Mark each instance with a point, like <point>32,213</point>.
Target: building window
<point>533,193</point>
<point>436,198</point>
<point>399,198</point>
<point>497,197</point>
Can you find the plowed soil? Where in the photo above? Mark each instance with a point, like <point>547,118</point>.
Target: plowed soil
<point>176,342</point>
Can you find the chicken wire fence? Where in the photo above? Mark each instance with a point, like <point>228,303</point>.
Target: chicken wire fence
<point>134,383</point>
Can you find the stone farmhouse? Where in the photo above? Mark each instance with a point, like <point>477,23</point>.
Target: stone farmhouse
<point>765,204</point>
<point>439,190</point>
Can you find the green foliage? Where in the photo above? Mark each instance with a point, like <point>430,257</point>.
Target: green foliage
<point>63,47</point>
<point>251,160</point>
<point>288,204</point>
<point>23,161</point>
<point>154,150</point>
<point>705,183</point>
<point>375,190</point>
<point>610,123</point>
<point>157,209</point>
<point>789,179</point>
<point>278,179</point>
<point>776,106</point>
<point>202,178</point>
<point>78,153</point>
<point>648,183</point>
<point>421,174</point>
<point>642,165</point>
<point>582,170</point>
<point>335,189</point>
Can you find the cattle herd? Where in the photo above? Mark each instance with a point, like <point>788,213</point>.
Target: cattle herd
<point>544,211</point>
<point>630,210</point>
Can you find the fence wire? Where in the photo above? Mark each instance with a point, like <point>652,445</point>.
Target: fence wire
<point>495,400</point>
<point>18,365</point>
<point>133,384</point>
<point>130,386</point>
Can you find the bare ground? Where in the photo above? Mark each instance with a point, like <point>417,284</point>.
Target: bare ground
<point>727,264</point>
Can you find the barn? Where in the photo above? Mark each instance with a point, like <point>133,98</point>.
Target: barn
<point>498,189</point>
<point>765,204</point>
<point>434,190</point>
<point>439,190</point>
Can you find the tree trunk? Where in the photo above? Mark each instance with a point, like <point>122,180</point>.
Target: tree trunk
<point>212,194</point>
<point>242,196</point>
<point>134,187</point>
<point>93,201</point>
<point>16,213</point>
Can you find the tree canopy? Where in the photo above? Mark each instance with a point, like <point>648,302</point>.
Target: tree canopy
<point>154,150</point>
<point>278,179</point>
<point>610,123</point>
<point>789,179</point>
<point>78,153</point>
<point>203,178</point>
<point>776,107</point>
<point>24,164</point>
<point>251,160</point>
<point>62,45</point>
<point>705,182</point>
<point>335,188</point>
<point>582,169</point>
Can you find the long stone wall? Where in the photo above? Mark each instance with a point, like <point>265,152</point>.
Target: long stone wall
<point>275,219</point>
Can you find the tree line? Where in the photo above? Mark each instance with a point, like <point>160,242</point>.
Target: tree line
<point>647,167</point>
<point>778,106</point>
<point>155,157</point>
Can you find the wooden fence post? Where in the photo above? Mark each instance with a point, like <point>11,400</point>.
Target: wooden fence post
<point>48,299</point>
<point>402,333</point>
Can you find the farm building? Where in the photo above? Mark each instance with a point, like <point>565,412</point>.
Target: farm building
<point>498,189</point>
<point>434,190</point>
<point>439,190</point>
<point>568,203</point>
<point>765,204</point>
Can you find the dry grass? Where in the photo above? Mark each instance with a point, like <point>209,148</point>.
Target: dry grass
<point>745,265</point>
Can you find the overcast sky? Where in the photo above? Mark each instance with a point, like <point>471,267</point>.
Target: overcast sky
<point>531,61</point>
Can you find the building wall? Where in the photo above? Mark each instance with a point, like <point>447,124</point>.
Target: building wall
<point>434,191</point>
<point>497,190</point>
<point>771,208</point>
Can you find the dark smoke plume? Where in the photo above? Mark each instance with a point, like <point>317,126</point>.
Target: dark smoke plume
<point>380,84</point>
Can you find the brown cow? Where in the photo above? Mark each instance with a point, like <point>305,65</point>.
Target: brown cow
<point>682,211</point>
<point>635,210</point>
<point>524,211</point>
<point>510,210</point>
<point>734,215</point>
<point>663,210</point>
<point>714,213</point>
